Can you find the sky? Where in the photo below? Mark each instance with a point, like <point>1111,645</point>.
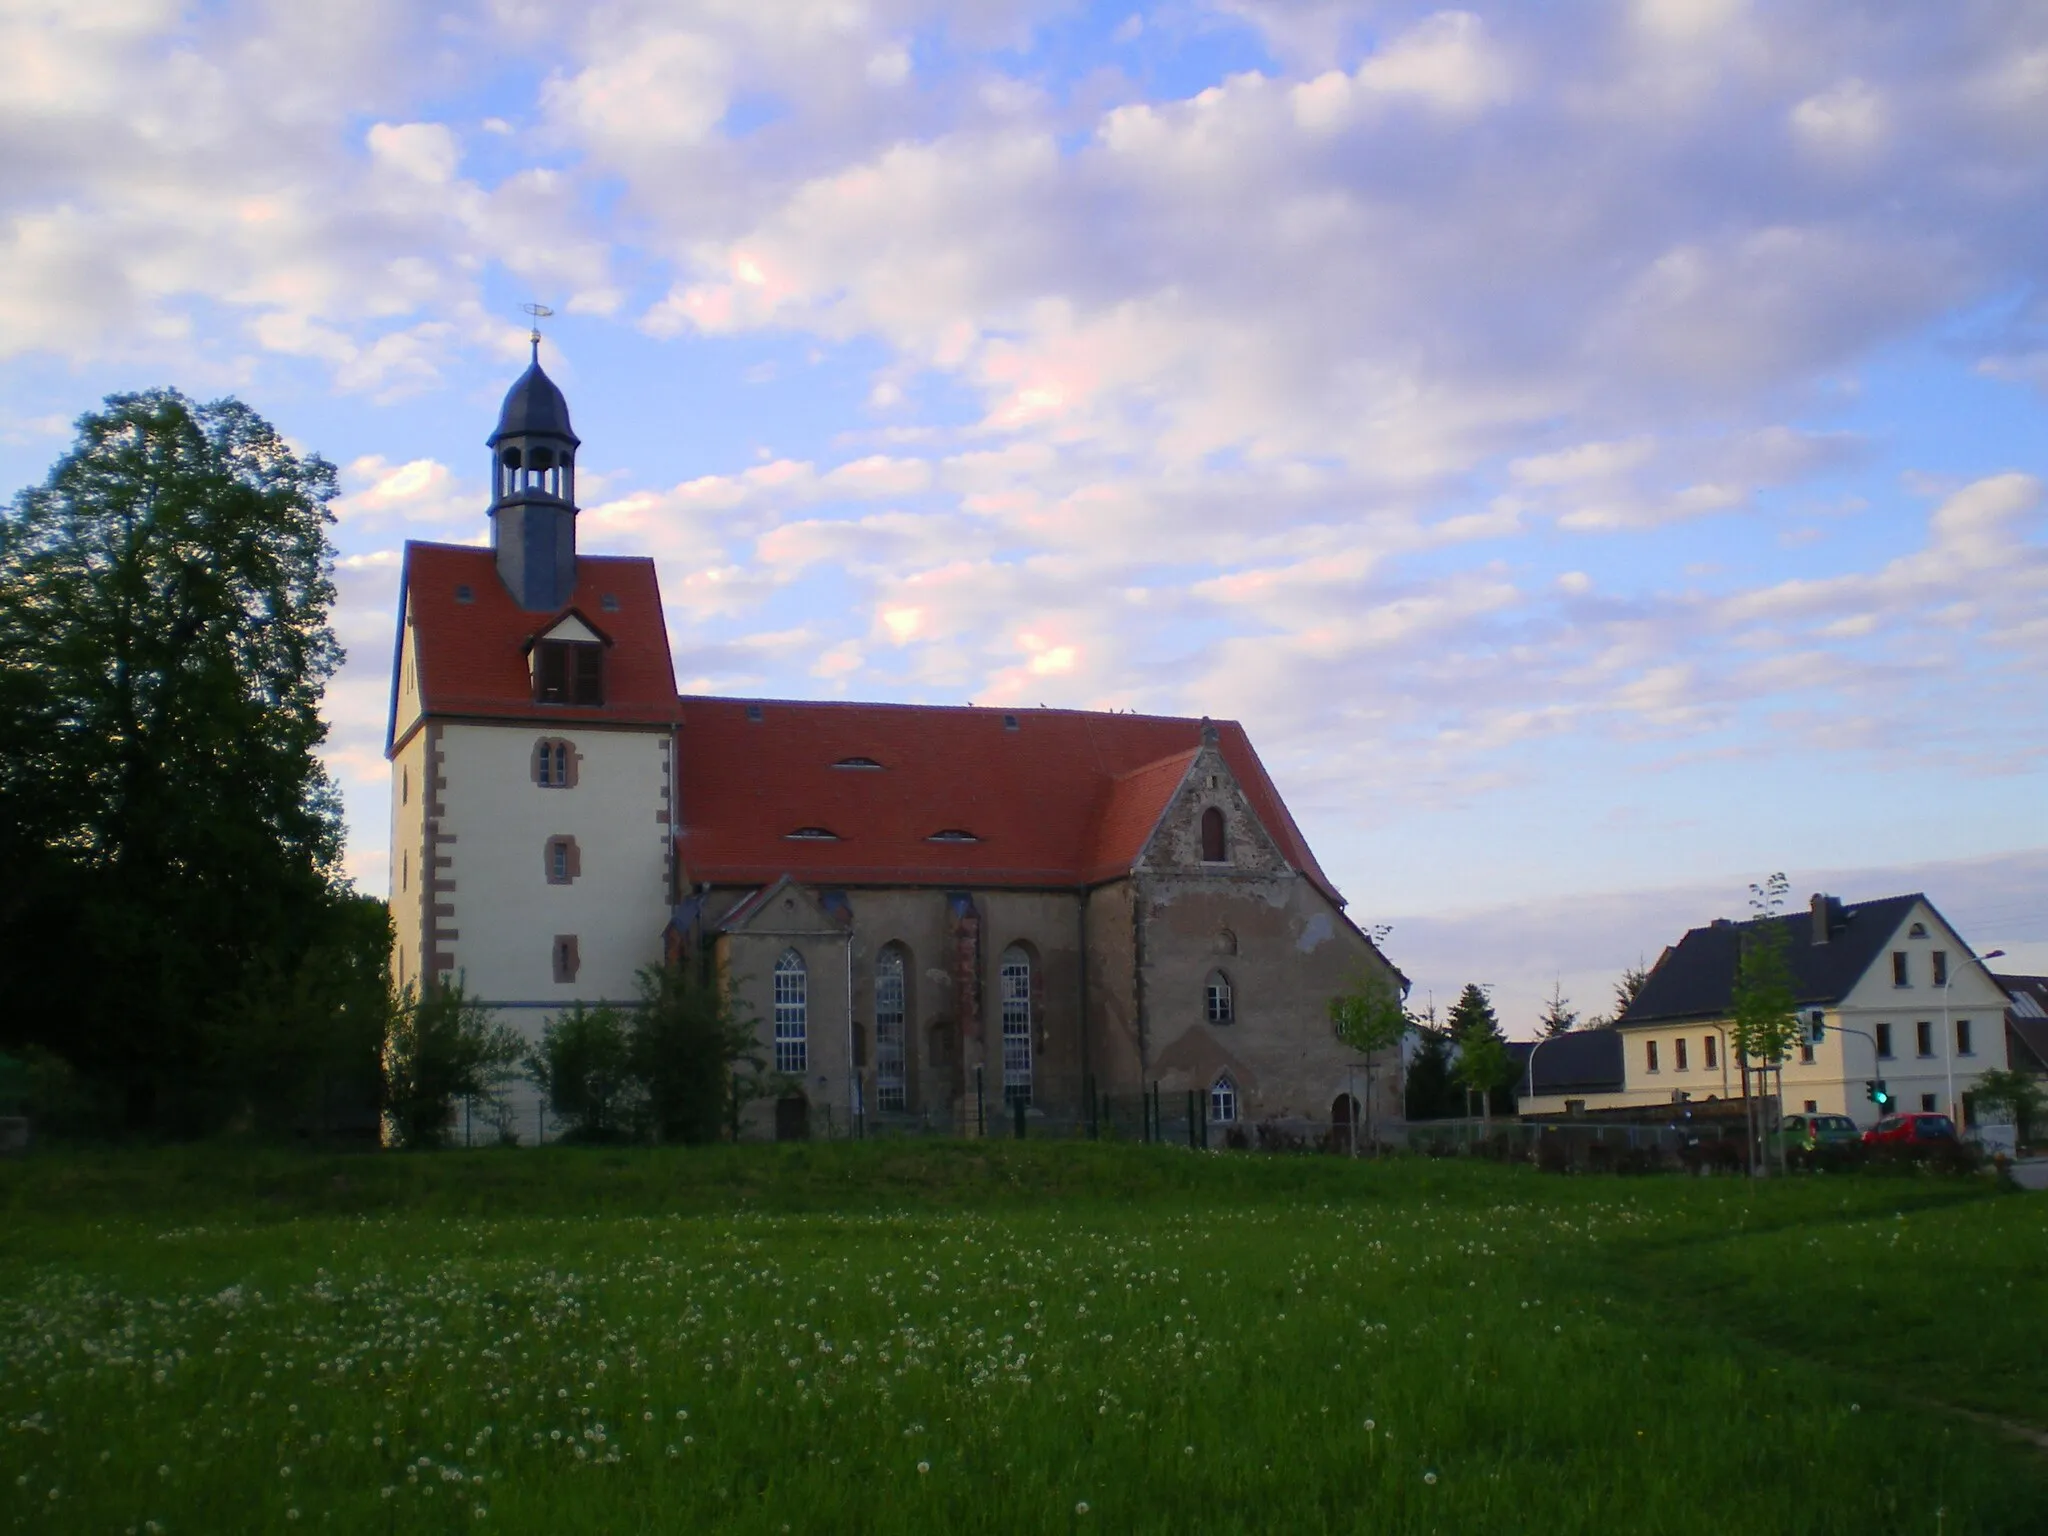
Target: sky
<point>1597,449</point>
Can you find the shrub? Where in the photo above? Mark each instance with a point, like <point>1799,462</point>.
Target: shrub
<point>442,1047</point>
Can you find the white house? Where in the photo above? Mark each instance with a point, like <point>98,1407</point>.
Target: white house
<point>1887,991</point>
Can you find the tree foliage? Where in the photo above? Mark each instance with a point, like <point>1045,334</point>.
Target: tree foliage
<point>442,1047</point>
<point>1483,1064</point>
<point>584,1067</point>
<point>688,1046</point>
<point>2016,1093</point>
<point>1558,1016</point>
<point>171,839</point>
<point>1431,1093</point>
<point>1765,1024</point>
<point>1629,988</point>
<point>1370,1017</point>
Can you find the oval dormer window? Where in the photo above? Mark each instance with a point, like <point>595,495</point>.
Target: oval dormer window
<point>856,762</point>
<point>953,835</point>
<point>812,835</point>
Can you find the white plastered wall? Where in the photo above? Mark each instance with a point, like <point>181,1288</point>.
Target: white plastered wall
<point>506,913</point>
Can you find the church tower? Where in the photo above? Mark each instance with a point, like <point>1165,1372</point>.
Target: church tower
<point>531,744</point>
<point>533,492</point>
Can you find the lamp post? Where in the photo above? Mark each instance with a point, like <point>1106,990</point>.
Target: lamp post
<point>1948,1039</point>
<point>1533,1049</point>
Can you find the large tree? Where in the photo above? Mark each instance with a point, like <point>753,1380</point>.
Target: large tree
<point>171,837</point>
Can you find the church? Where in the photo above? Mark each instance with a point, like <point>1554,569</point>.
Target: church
<point>944,918</point>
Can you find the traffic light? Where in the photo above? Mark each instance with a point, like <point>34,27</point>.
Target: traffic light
<point>1870,1089</point>
<point>1882,1098</point>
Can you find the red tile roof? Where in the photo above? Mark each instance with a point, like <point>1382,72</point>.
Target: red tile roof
<point>1067,798</point>
<point>472,659</point>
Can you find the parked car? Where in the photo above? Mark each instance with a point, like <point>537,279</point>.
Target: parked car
<point>1911,1128</point>
<point>1809,1133</point>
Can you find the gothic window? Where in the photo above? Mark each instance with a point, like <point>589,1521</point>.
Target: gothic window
<point>1015,977</point>
<point>554,763</point>
<point>1219,1004</point>
<point>1223,1100</point>
<point>792,1009</point>
<point>568,672</point>
<point>1214,851</point>
<point>891,1084</point>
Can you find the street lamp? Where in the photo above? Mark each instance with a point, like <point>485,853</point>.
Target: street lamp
<point>1948,1039</point>
<point>1533,1049</point>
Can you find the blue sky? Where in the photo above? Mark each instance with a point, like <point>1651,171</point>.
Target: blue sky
<point>1597,449</point>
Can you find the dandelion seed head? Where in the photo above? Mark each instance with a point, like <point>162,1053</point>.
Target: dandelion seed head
<point>1430,1478</point>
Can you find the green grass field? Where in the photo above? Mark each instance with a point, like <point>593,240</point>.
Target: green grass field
<point>1007,1337</point>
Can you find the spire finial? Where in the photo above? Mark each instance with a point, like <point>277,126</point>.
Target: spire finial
<point>539,312</point>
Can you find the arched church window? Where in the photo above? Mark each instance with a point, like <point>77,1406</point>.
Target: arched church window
<point>1214,850</point>
<point>1015,978</point>
<point>1223,1100</point>
<point>1219,1002</point>
<point>891,1075</point>
<point>792,1013</point>
<point>554,763</point>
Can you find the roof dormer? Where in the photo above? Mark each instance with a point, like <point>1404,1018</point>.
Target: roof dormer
<point>566,661</point>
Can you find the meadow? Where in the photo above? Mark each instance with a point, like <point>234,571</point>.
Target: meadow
<point>1008,1337</point>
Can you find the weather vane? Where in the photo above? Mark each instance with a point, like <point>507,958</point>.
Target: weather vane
<point>539,312</point>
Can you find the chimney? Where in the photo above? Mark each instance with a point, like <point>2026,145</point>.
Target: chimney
<point>1823,915</point>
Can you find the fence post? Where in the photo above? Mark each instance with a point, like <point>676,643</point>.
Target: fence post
<point>1094,1109</point>
<point>1202,1108</point>
<point>1191,1117</point>
<point>980,1109</point>
<point>1017,1106</point>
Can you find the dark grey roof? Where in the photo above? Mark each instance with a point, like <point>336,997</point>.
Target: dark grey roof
<point>2026,1021</point>
<point>534,404</point>
<point>1583,1061</point>
<point>1696,977</point>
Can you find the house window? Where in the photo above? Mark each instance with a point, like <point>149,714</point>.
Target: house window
<point>554,763</point>
<point>568,672</point>
<point>891,1085</point>
<point>1806,1053</point>
<point>1884,1041</point>
<point>1015,979</point>
<point>1650,1055</point>
<point>405,786</point>
<point>1223,1100</point>
<point>791,1013</point>
<point>1941,967</point>
<point>1713,1051</point>
<point>405,870</point>
<point>1901,976</point>
<point>1812,1105</point>
<point>1963,1038</point>
<point>1213,849</point>
<point>564,860</point>
<point>567,961</point>
<point>1678,1054</point>
<point>1927,1103</point>
<point>1219,1006</point>
<point>1923,1038</point>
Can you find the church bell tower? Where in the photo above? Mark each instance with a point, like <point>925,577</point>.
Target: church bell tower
<point>533,491</point>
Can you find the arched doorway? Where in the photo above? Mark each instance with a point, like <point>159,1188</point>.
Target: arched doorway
<point>793,1118</point>
<point>1343,1122</point>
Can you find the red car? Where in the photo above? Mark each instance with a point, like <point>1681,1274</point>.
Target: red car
<point>1915,1127</point>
